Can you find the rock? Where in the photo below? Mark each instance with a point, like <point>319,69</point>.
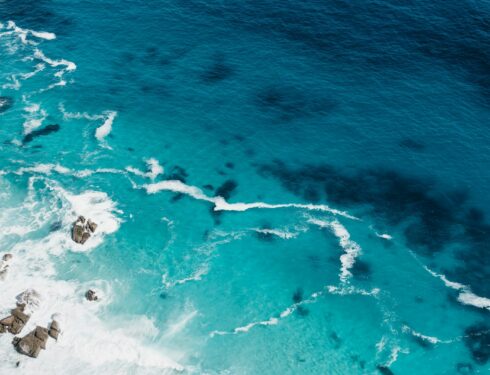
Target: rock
<point>92,226</point>
<point>54,330</point>
<point>7,257</point>
<point>20,320</point>
<point>91,295</point>
<point>32,343</point>
<point>82,229</point>
<point>15,322</point>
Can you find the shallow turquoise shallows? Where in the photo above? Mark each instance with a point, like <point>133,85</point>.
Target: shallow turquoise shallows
<point>280,187</point>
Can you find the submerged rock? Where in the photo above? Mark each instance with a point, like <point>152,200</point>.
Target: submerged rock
<point>91,295</point>
<point>32,343</point>
<point>82,229</point>
<point>6,102</point>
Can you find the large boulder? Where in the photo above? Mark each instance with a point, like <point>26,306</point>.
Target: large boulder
<point>15,322</point>
<point>32,343</point>
<point>82,229</point>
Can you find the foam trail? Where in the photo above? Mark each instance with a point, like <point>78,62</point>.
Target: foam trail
<point>284,234</point>
<point>23,33</point>
<point>154,169</point>
<point>273,320</point>
<point>431,339</point>
<point>466,296</point>
<point>222,205</point>
<point>79,115</point>
<point>351,248</point>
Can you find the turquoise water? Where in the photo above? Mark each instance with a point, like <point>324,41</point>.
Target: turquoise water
<point>280,187</point>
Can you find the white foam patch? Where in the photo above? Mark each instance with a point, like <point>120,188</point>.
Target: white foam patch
<point>384,236</point>
<point>220,204</point>
<point>351,249</point>
<point>24,33</point>
<point>466,296</point>
<point>284,234</point>
<point>432,339</point>
<point>105,129</point>
<point>34,117</point>
<point>87,344</point>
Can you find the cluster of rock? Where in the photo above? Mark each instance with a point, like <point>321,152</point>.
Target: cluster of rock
<point>82,230</point>
<point>91,295</point>
<point>4,265</point>
<point>15,322</point>
<point>35,341</point>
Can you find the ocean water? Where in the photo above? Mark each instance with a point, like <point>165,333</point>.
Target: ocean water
<point>281,187</point>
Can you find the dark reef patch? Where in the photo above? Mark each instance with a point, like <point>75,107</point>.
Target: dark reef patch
<point>208,187</point>
<point>384,370</point>
<point>230,165</point>
<point>431,216</point>
<point>47,130</point>
<point>219,70</point>
<point>6,102</point>
<point>57,225</point>
<point>289,103</point>
<point>477,340</point>
<point>361,270</point>
<point>227,189</point>
<point>298,295</point>
<point>336,340</point>
<point>464,368</point>
<point>177,197</point>
<point>412,144</point>
<point>177,173</point>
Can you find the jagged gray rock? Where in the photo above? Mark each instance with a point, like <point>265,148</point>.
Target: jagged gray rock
<point>32,343</point>
<point>91,295</point>
<point>15,322</point>
<point>82,230</point>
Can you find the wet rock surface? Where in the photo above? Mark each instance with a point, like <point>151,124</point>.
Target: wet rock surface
<point>91,295</point>
<point>82,230</point>
<point>32,344</point>
<point>15,322</point>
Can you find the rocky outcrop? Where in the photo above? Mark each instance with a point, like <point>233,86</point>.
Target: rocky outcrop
<point>15,322</point>
<point>82,230</point>
<point>91,295</point>
<point>32,343</point>
<point>4,265</point>
<point>54,329</point>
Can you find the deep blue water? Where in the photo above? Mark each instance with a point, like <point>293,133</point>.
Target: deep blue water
<point>348,141</point>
